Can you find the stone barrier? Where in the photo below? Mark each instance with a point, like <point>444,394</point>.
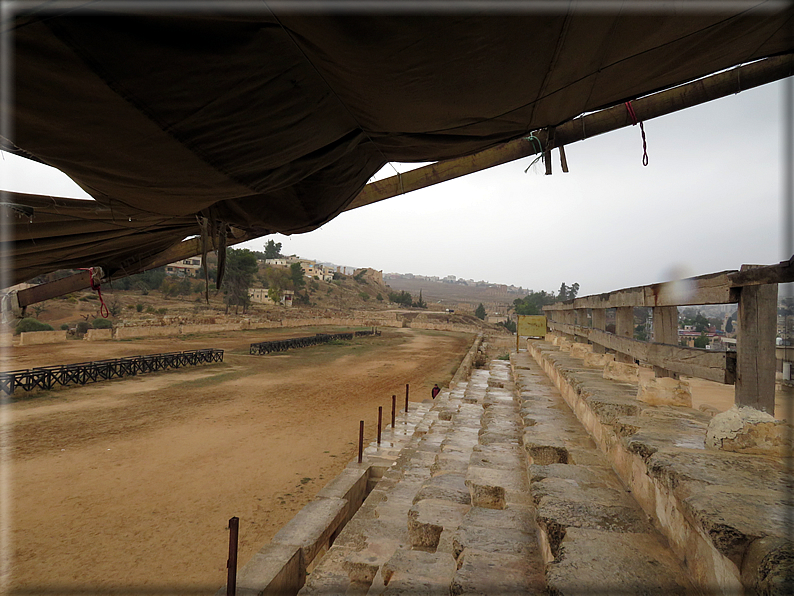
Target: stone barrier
<point>33,338</point>
<point>98,335</point>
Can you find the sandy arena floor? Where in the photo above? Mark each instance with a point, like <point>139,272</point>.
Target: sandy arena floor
<point>127,486</point>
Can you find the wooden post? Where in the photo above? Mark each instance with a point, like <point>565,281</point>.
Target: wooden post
<point>599,322</point>
<point>665,331</point>
<point>580,318</point>
<point>755,347</point>
<point>624,327</point>
<point>360,441</point>
<point>231,562</point>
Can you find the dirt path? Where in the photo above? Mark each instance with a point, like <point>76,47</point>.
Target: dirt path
<point>131,483</point>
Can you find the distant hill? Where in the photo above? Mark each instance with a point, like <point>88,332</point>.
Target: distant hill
<point>458,296</point>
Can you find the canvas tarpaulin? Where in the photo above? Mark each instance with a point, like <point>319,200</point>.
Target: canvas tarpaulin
<point>273,121</point>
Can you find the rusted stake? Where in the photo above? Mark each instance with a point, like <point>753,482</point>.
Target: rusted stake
<point>361,441</point>
<point>380,414</point>
<point>231,563</point>
<point>393,408</point>
<point>406,398</point>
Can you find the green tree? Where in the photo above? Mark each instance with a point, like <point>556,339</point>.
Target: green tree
<point>480,312</point>
<point>404,298</point>
<point>729,326</point>
<point>240,270</point>
<point>272,250</point>
<point>533,303</point>
<point>420,303</point>
<point>296,274</point>
<point>702,341</point>
<point>563,293</point>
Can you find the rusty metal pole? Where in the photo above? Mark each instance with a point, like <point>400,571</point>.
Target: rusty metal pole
<point>361,441</point>
<point>393,408</point>
<point>231,563</point>
<point>380,414</point>
<point>406,398</point>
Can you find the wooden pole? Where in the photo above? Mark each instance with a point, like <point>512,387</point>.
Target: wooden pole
<point>393,409</point>
<point>624,327</point>
<point>665,331</point>
<point>406,398</point>
<point>755,347</point>
<point>361,441</point>
<point>646,108</point>
<point>380,415</point>
<point>231,562</point>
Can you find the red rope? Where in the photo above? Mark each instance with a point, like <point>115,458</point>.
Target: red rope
<point>103,309</point>
<point>633,117</point>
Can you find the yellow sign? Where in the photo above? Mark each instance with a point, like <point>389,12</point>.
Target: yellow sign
<point>531,326</point>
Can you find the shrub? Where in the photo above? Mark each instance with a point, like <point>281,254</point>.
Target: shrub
<point>162,311</point>
<point>30,324</point>
<point>102,324</point>
<point>82,327</point>
<point>379,298</point>
<point>363,295</point>
<point>150,309</point>
<point>139,307</point>
<point>71,299</point>
<point>130,307</point>
<point>65,327</point>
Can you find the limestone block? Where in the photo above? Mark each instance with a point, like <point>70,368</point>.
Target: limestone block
<point>496,573</point>
<point>98,335</point>
<point>564,345</point>
<point>593,360</point>
<point>622,372</point>
<point>313,526</point>
<point>32,338</point>
<point>615,563</point>
<point>428,518</point>
<point>490,487</point>
<point>579,350</point>
<point>450,487</point>
<point>768,566</point>
<point>275,569</point>
<point>747,430</point>
<point>665,391</point>
<point>412,572</point>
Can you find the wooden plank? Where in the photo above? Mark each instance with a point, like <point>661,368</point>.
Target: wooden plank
<point>665,331</point>
<point>781,273</point>
<point>712,288</point>
<point>693,362</point>
<point>614,118</point>
<point>624,327</point>
<point>59,287</point>
<point>755,347</point>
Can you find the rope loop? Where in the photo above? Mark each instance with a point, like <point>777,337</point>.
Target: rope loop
<point>95,277</point>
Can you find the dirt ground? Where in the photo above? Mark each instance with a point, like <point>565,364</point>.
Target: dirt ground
<point>128,485</point>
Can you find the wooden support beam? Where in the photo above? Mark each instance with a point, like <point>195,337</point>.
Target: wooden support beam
<point>624,327</point>
<point>665,331</point>
<point>693,362</point>
<point>781,273</point>
<point>755,347</point>
<point>646,108</point>
<point>59,287</point>
<point>580,318</point>
<point>599,322</point>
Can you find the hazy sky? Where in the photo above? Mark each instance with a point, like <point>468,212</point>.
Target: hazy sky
<point>709,200</point>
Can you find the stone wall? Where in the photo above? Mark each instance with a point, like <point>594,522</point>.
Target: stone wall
<point>33,338</point>
<point>98,335</point>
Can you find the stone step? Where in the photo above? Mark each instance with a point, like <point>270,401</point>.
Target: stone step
<point>593,534</point>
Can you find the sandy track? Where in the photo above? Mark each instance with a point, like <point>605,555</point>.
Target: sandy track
<point>130,484</point>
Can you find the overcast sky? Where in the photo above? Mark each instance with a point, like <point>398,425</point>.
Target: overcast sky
<point>710,199</point>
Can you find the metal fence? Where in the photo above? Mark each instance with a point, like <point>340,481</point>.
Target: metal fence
<point>281,345</point>
<point>81,373</point>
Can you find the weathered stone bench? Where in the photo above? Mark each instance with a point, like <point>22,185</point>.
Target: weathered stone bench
<point>722,513</point>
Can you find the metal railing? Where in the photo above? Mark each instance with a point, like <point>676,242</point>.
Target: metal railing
<point>751,368</point>
<point>82,373</point>
<point>281,345</point>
